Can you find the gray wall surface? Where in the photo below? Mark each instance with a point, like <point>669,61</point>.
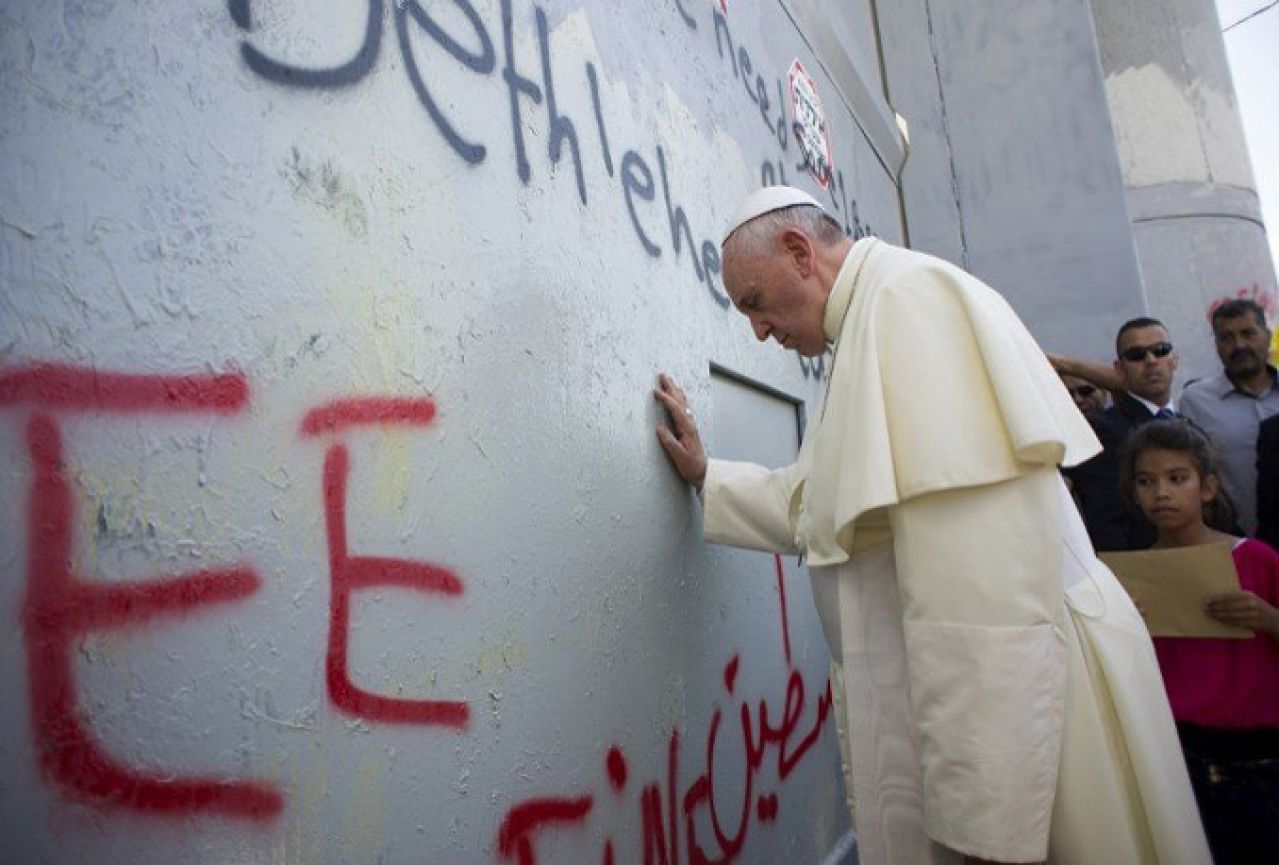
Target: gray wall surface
<point>336,529</point>
<point>1013,171</point>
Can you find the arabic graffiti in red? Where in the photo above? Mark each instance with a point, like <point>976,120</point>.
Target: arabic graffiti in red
<point>660,805</point>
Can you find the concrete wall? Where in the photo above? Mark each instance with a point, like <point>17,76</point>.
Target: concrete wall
<point>335,526</point>
<point>1013,171</point>
<point>1194,208</point>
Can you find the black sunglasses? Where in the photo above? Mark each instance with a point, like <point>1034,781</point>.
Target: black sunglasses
<point>1083,391</point>
<point>1138,353</point>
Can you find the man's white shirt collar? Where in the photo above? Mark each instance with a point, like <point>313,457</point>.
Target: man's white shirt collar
<point>1151,407</point>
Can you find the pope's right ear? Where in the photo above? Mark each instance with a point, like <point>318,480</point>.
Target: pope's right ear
<point>798,247</point>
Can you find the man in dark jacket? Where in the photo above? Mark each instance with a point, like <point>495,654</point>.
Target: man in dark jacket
<point>1145,362</point>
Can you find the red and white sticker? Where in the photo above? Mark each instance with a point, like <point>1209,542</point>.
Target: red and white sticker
<point>811,131</point>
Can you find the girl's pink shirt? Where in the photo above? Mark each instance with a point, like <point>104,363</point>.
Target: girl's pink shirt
<point>1228,683</point>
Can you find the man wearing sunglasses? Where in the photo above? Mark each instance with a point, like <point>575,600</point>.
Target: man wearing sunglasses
<point>1231,406</point>
<point>1145,364</point>
<point>1089,399</point>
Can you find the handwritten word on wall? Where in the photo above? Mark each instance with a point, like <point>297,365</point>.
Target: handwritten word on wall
<point>492,58</point>
<point>60,607</point>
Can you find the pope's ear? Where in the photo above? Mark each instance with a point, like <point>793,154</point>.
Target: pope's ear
<point>798,248</point>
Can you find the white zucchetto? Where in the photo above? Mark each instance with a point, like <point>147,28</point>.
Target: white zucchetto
<point>767,200</point>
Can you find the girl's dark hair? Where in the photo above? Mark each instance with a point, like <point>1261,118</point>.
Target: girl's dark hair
<point>1183,437</point>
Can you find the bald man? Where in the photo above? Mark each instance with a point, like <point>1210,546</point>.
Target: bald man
<point>1003,699</point>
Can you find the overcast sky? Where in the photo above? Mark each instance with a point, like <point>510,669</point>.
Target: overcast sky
<point>1251,32</point>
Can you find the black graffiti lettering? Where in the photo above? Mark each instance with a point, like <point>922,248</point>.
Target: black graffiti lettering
<point>482,61</point>
<point>813,367</point>
<point>351,72</point>
<point>721,29</point>
<point>516,84</point>
<point>683,13</point>
<point>637,179</point>
<point>561,128</point>
<point>599,117</point>
<point>761,99</point>
<point>711,264</point>
<point>477,52</point>
<point>677,217</point>
<point>857,222</point>
<point>240,13</point>
<point>770,176</point>
<point>744,63</point>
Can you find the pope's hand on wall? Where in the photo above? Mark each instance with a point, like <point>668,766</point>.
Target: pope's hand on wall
<point>680,440</point>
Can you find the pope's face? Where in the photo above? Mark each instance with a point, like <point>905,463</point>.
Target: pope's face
<point>783,299</point>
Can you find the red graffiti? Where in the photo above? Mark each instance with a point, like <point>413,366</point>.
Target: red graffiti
<point>730,673</point>
<point>781,595</point>
<point>349,573</point>
<point>73,388</point>
<point>660,809</point>
<point>1262,297</point>
<point>515,837</point>
<point>60,607</point>
<point>616,763</point>
<point>661,841</point>
<point>369,411</point>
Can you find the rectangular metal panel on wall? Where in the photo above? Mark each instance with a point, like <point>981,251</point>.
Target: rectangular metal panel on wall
<point>336,529</point>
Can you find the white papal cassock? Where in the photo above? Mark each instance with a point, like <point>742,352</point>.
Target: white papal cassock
<point>1003,698</point>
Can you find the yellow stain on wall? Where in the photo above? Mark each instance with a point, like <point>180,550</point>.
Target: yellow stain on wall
<point>364,828</point>
<point>385,322</point>
<point>304,840</point>
<point>499,659</point>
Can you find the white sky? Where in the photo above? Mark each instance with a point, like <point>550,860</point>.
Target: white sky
<point>1253,49</point>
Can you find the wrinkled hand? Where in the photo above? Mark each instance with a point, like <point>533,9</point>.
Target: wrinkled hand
<point>1243,610</point>
<point>681,441</point>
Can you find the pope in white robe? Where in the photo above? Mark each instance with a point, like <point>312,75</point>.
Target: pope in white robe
<point>1002,697</point>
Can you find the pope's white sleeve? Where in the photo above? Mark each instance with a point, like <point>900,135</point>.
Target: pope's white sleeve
<point>746,505</point>
<point>979,573</point>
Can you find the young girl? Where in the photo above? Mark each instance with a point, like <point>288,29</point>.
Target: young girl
<point>1224,692</point>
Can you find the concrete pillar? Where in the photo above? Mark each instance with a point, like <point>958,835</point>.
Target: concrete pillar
<point>1191,196</point>
<point>1013,172</point>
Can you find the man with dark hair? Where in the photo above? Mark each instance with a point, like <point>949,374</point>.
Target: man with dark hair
<point>1231,406</point>
<point>1089,398</point>
<point>1145,363</point>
